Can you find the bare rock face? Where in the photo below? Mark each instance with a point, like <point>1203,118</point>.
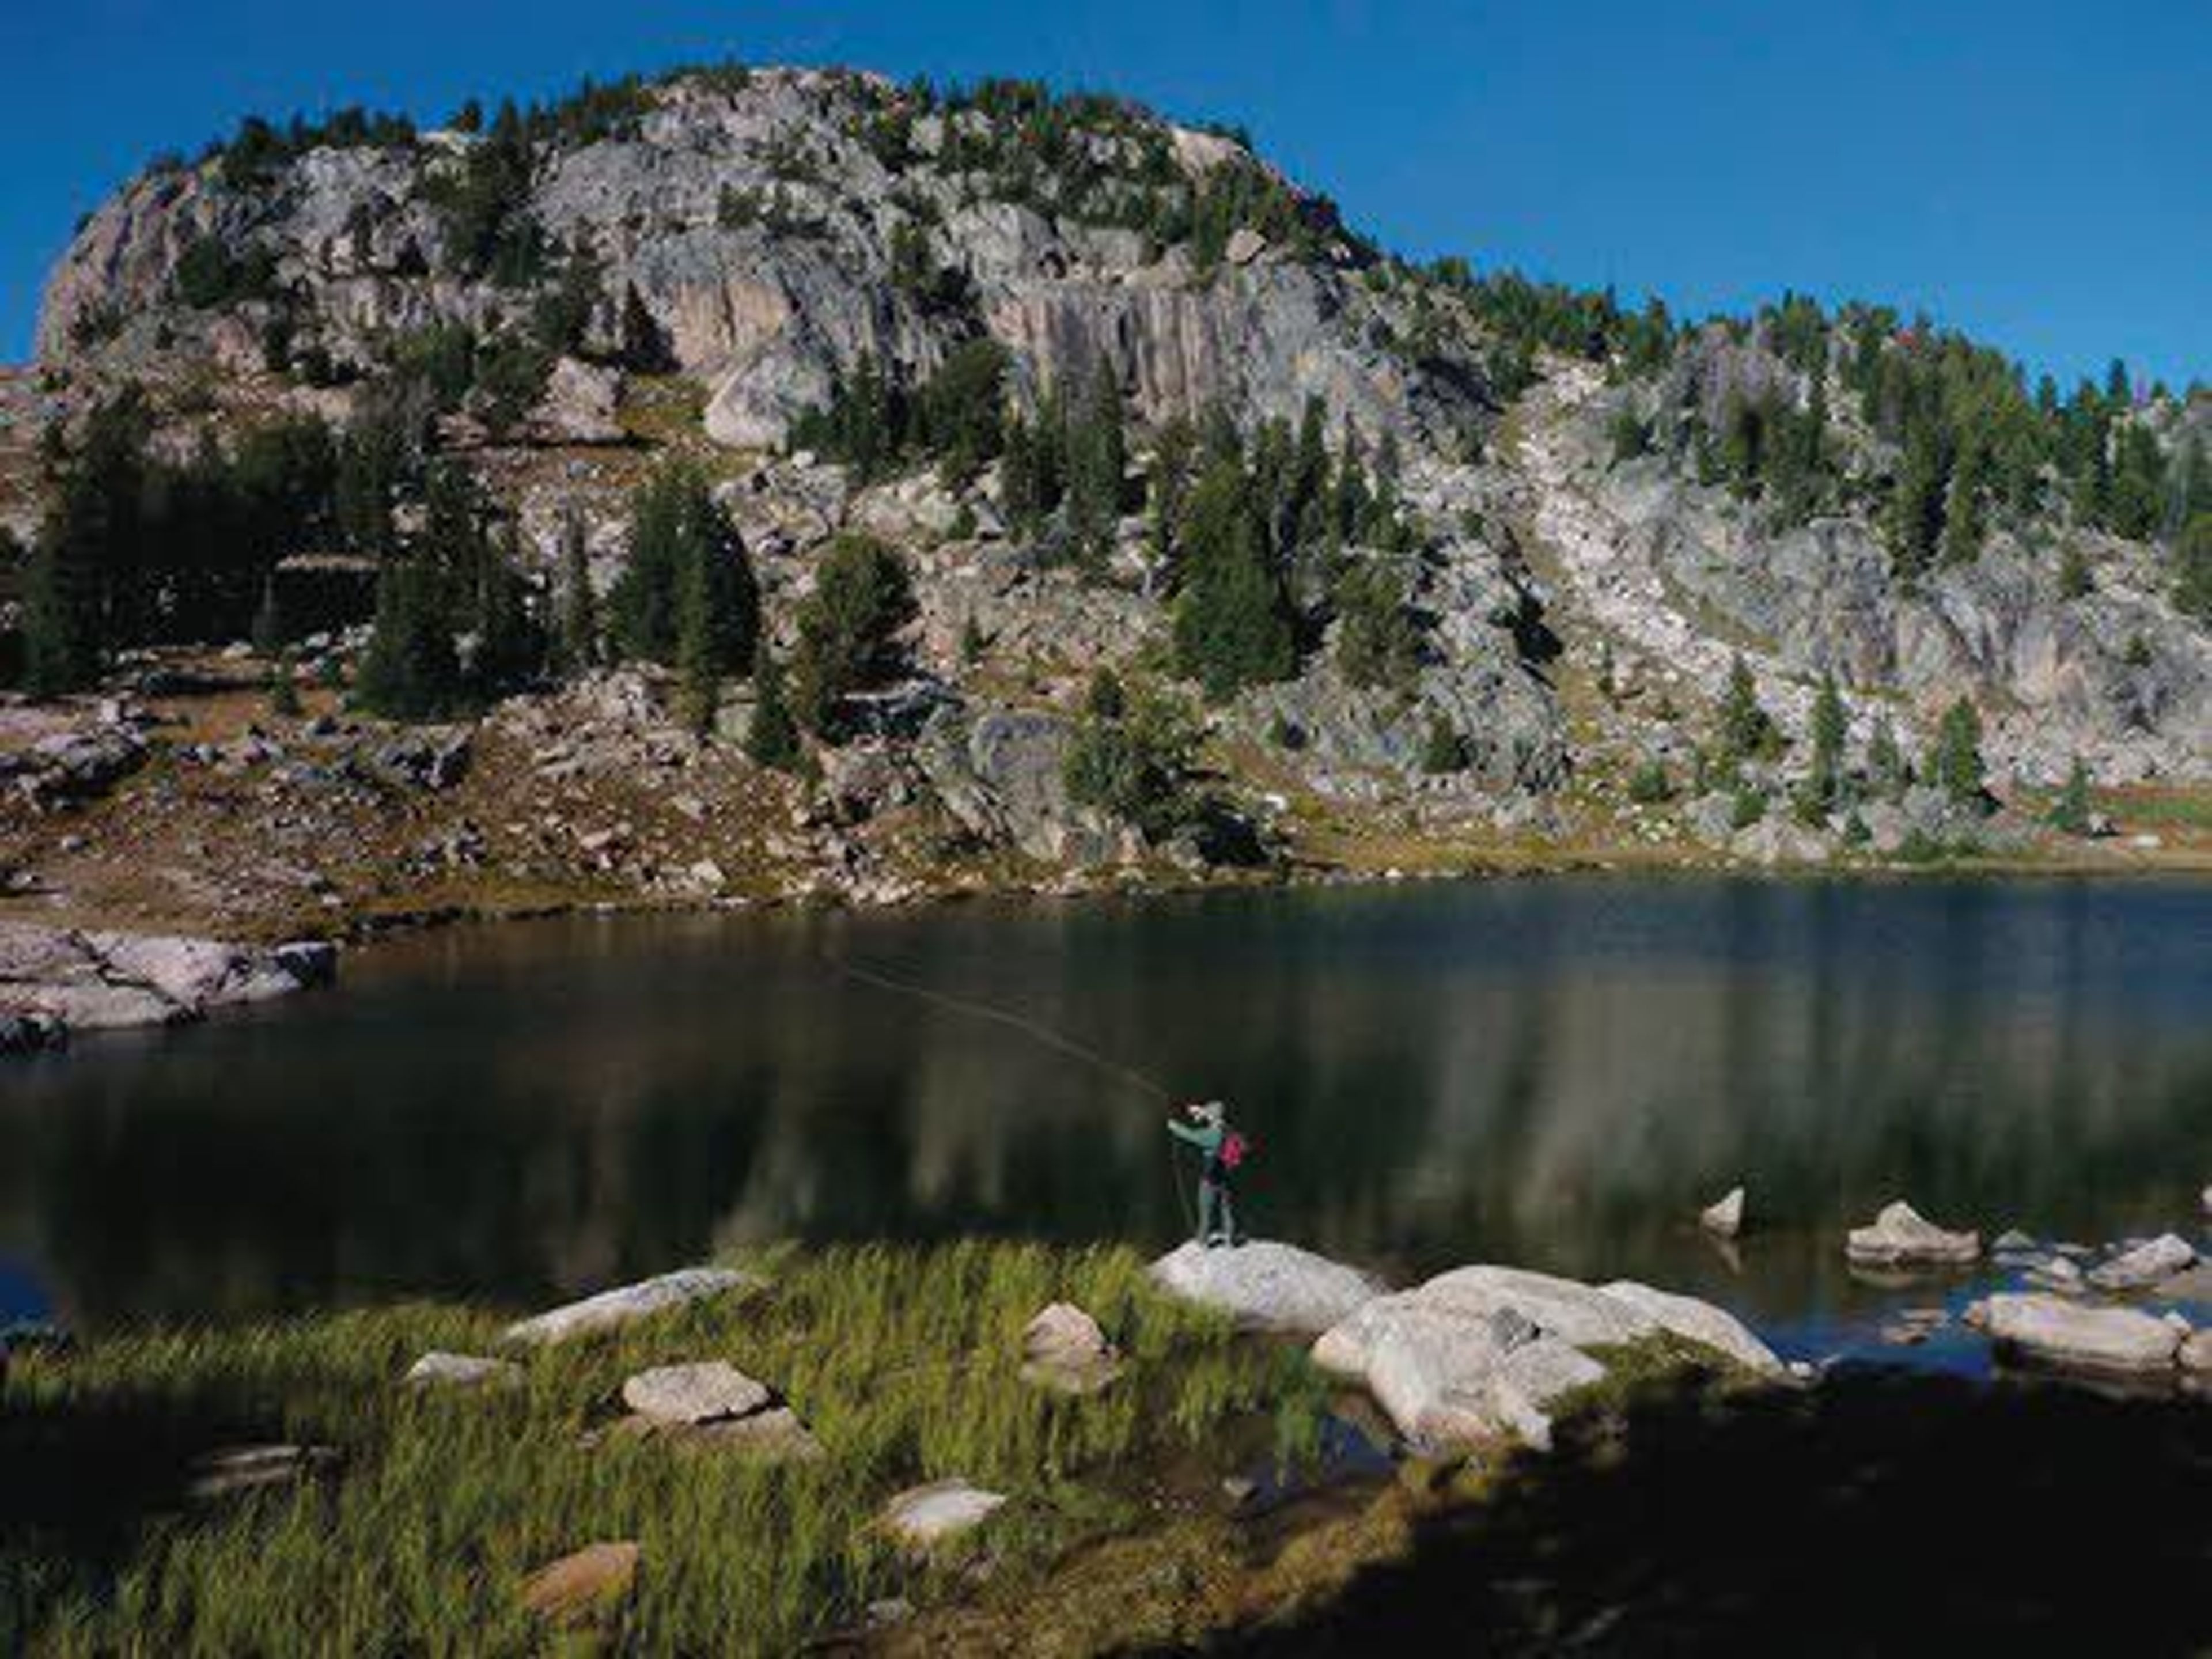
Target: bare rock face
<point>2145,1265</point>
<point>611,1309</point>
<point>1266,1286</point>
<point>744,234</point>
<point>1900,1237</point>
<point>2070,1336</point>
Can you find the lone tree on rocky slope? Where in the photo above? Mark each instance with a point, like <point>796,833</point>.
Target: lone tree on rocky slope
<point>849,628</point>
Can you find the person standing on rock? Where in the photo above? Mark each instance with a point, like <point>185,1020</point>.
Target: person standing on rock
<point>1224,1149</point>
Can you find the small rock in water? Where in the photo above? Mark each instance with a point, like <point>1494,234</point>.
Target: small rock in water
<point>2196,1355</point>
<point>1899,1236</point>
<point>2145,1264</point>
<point>2013,1242</point>
<point>2193,1285</point>
<point>2059,1274</point>
<point>702,1393</point>
<point>1725,1218</point>
<point>1239,1490</point>
<point>2206,1198</point>
<point>923,1516</point>
<point>2072,1337</point>
<point>576,1588</point>
<point>461,1370</point>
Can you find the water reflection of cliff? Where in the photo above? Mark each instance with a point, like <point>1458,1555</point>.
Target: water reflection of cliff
<point>1549,1071</point>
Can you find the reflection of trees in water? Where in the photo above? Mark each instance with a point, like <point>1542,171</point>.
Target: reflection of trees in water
<point>1553,1072</point>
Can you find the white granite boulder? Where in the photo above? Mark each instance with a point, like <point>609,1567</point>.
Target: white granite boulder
<point>1267,1286</point>
<point>2145,1265</point>
<point>2071,1337</point>
<point>461,1370</point>
<point>1063,1348</point>
<point>1481,1353</point>
<point>610,1310</point>
<point>1724,1219</point>
<point>1901,1238</point>
<point>705,1392</point>
<point>922,1516</point>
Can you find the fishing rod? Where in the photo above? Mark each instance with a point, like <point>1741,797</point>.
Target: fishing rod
<point>1036,1030</point>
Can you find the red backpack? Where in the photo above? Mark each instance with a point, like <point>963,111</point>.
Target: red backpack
<point>1235,1149</point>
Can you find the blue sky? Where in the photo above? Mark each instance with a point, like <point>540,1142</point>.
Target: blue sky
<point>2037,174</point>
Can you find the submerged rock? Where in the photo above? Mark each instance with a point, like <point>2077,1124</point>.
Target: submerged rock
<point>578,1587</point>
<point>1267,1286</point>
<point>701,1393</point>
<point>2145,1264</point>
<point>2192,1284</point>
<point>610,1310</point>
<point>2195,1356</point>
<point>2072,1337</point>
<point>1063,1348</point>
<point>924,1515</point>
<point>1724,1218</point>
<point>1899,1236</point>
<point>461,1370</point>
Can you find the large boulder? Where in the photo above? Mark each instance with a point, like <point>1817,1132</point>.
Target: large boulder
<point>2145,1265</point>
<point>1482,1352</point>
<point>1901,1238</point>
<point>2066,1334</point>
<point>610,1310</point>
<point>1266,1286</point>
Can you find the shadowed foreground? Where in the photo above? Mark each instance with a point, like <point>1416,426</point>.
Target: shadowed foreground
<point>1882,1513</point>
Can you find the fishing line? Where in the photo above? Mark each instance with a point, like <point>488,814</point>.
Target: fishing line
<point>1037,1031</point>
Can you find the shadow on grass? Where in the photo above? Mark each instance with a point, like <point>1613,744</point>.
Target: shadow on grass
<point>1881,1514</point>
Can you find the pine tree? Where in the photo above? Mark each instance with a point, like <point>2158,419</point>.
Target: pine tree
<point>1097,458</point>
<point>772,739</point>
<point>676,524</point>
<point>1746,731</point>
<point>849,628</point>
<point>1956,766</point>
<point>1962,514</point>
<point>696,665</point>
<point>64,643</point>
<point>410,671</point>
<point>1885,763</point>
<point>579,619</point>
<point>2071,812</point>
<point>1232,621</point>
<point>1830,724</point>
<point>1917,507</point>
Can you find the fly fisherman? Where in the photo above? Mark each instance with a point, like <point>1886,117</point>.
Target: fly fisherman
<point>1222,1148</point>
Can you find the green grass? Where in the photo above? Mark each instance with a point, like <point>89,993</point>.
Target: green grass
<point>904,1361</point>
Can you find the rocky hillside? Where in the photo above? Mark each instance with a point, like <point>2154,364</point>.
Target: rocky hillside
<point>1437,570</point>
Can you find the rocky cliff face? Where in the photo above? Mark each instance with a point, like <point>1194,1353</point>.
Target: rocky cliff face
<point>772,235</point>
<point>697,263</point>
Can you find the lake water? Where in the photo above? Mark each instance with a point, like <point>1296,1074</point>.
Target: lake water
<point>1553,1072</point>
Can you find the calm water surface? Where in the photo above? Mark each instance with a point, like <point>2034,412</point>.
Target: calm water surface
<point>1552,1072</point>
